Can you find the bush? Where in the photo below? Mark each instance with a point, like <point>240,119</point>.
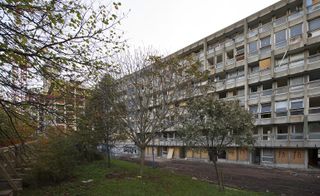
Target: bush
<point>54,160</point>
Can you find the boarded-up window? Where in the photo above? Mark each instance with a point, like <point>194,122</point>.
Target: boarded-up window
<point>265,64</point>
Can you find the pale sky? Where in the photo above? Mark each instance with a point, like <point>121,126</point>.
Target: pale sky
<point>170,25</point>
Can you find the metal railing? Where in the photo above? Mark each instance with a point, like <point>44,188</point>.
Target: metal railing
<point>313,58</point>
<point>280,21</point>
<point>295,15</point>
<point>313,8</point>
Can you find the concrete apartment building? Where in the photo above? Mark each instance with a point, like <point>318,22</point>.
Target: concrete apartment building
<point>270,62</point>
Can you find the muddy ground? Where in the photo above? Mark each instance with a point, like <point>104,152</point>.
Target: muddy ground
<point>250,177</point>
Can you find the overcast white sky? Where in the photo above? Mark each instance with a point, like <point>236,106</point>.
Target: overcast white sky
<point>169,25</point>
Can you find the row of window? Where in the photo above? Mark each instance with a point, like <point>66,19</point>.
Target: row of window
<point>281,108</point>
<point>288,131</point>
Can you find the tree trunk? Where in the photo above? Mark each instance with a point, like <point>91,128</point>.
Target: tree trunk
<point>217,173</point>
<point>108,154</point>
<point>142,156</point>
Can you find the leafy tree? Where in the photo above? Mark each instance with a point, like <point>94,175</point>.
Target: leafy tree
<point>151,91</point>
<point>214,125</point>
<point>48,41</point>
<point>100,124</point>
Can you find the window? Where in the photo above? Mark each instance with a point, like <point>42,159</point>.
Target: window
<point>296,30</point>
<point>280,38</point>
<point>253,109</point>
<point>281,108</point>
<point>219,58</point>
<point>266,131</point>
<point>314,24</point>
<point>266,110</point>
<point>230,54</point>
<point>314,105</point>
<point>267,155</point>
<point>314,130</point>
<point>264,42</point>
<point>282,83</point>
<point>240,92</point>
<point>296,81</point>
<point>222,95</point>
<point>297,131</point>
<point>267,89</point>
<point>254,68</point>
<point>314,75</point>
<point>282,132</point>
<point>253,49</point>
<point>254,89</point>
<point>311,2</point>
<point>296,107</point>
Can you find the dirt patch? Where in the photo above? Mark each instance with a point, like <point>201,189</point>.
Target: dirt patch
<point>251,177</point>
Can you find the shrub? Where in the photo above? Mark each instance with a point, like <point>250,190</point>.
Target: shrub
<point>54,160</point>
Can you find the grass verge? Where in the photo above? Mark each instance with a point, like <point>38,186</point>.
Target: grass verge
<point>122,179</point>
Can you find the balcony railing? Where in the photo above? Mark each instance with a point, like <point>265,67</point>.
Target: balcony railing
<point>283,67</point>
<point>295,15</point>
<point>281,44</point>
<point>252,33</point>
<point>282,136</point>
<point>297,63</point>
<point>230,61</point>
<point>315,135</point>
<point>229,43</point>
<point>314,110</point>
<point>265,28</point>
<point>281,90</point>
<point>296,136</point>
<point>265,50</point>
<point>253,53</point>
<point>313,8</point>
<point>280,21</point>
<point>313,58</point>
<point>266,92</point>
<point>239,39</point>
<point>218,47</point>
<point>219,65</point>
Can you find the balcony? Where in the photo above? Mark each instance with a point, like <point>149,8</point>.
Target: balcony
<point>313,8</point>
<point>315,135</point>
<point>265,50</point>
<point>314,58</point>
<point>295,15</point>
<point>280,21</point>
<point>314,110</point>
<point>296,136</point>
<point>239,39</point>
<point>229,43</point>
<point>282,136</point>
<point>281,68</point>
<point>218,47</point>
<point>281,44</point>
<point>266,93</point>
<point>230,61</point>
<point>265,28</point>
<point>252,33</point>
<point>295,40</point>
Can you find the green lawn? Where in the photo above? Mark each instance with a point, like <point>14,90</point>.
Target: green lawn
<point>123,180</point>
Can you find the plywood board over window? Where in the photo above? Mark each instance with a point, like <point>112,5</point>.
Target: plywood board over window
<point>232,154</point>
<point>282,156</point>
<point>297,156</point>
<point>243,154</point>
<point>265,64</point>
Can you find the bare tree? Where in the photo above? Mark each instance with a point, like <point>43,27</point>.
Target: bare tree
<point>150,91</point>
<point>214,125</point>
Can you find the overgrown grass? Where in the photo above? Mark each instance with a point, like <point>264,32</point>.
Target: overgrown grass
<point>122,179</point>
